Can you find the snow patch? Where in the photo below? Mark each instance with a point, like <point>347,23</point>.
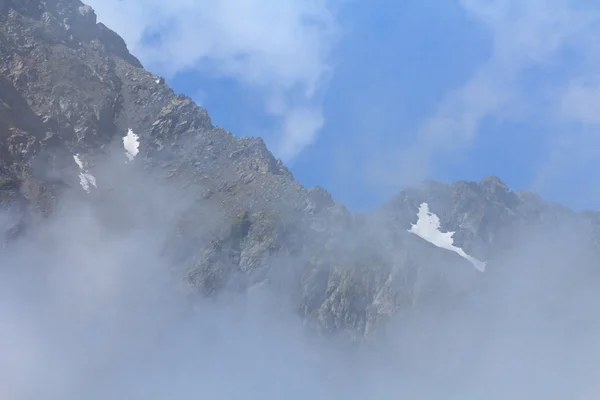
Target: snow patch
<point>78,161</point>
<point>428,228</point>
<point>85,178</point>
<point>131,143</point>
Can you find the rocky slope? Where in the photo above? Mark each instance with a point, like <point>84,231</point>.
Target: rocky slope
<point>70,91</point>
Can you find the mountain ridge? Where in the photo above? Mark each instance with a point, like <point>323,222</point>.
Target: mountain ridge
<point>69,86</point>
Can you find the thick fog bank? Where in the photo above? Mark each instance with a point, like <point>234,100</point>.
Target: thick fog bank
<point>91,307</point>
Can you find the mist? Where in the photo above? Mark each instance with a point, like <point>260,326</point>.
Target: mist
<point>92,306</point>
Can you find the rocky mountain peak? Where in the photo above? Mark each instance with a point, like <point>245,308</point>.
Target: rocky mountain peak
<point>70,92</point>
<point>69,22</point>
<point>493,182</point>
<point>146,253</point>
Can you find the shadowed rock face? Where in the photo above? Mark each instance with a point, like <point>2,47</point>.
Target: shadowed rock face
<point>68,86</point>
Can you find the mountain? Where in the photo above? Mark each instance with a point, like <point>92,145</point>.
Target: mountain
<point>82,122</point>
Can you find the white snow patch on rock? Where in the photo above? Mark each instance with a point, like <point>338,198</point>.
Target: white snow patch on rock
<point>131,143</point>
<point>428,228</point>
<point>85,178</point>
<point>78,161</point>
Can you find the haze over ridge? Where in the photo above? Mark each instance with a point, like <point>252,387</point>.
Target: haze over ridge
<point>194,264</point>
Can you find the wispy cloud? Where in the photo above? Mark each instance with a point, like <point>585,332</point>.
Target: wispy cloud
<point>549,40</point>
<point>281,49</point>
<point>580,100</point>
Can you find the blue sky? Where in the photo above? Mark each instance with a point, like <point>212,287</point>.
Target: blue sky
<point>364,98</point>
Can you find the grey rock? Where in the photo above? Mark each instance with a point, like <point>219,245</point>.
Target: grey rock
<point>69,85</point>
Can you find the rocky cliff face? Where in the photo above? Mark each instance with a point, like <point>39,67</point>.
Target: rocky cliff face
<point>70,92</point>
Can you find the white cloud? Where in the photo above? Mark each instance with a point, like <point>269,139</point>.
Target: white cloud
<point>279,48</point>
<point>581,100</point>
<point>300,127</point>
<point>524,36</point>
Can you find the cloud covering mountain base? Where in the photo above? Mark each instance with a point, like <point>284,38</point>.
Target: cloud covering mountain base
<point>96,311</point>
<point>194,265</point>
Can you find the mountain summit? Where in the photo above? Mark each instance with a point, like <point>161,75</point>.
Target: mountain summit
<point>82,122</point>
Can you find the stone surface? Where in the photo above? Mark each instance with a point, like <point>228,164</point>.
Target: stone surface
<point>68,85</point>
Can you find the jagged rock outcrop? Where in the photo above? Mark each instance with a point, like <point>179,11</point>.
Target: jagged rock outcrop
<point>69,86</point>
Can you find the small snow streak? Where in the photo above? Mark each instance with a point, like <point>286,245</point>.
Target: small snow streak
<point>131,143</point>
<point>428,228</point>
<point>78,161</point>
<point>85,178</point>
